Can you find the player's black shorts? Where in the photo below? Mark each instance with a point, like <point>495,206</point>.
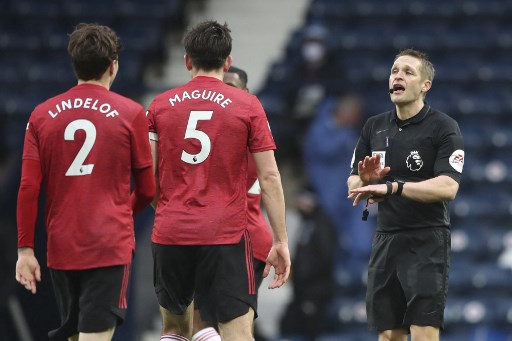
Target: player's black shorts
<point>90,301</point>
<point>220,279</point>
<point>408,279</point>
<point>259,267</point>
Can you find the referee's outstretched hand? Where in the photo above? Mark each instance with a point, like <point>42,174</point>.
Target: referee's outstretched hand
<point>279,258</point>
<point>370,169</point>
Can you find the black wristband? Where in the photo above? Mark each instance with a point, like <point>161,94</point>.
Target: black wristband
<point>389,186</point>
<point>400,187</point>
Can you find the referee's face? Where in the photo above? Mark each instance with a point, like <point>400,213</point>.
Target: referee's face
<point>406,82</point>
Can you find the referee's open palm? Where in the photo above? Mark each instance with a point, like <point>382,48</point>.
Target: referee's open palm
<point>370,169</point>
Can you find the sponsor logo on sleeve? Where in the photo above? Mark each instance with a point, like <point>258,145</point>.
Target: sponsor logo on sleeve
<point>457,160</point>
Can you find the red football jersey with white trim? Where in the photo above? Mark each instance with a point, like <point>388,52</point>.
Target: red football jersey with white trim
<point>204,129</point>
<point>88,140</point>
<point>259,230</point>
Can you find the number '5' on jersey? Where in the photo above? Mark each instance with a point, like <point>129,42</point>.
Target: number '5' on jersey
<point>204,129</point>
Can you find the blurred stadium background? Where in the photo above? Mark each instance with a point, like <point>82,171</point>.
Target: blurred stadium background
<point>470,44</point>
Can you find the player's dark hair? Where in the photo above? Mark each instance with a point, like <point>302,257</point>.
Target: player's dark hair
<point>208,44</point>
<point>241,73</point>
<point>92,48</point>
<point>427,68</point>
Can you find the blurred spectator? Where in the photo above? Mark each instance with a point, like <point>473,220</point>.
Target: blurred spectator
<point>328,149</point>
<point>313,270</point>
<point>316,74</point>
<point>310,76</point>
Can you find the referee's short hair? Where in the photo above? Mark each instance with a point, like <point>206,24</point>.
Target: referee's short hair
<point>427,68</point>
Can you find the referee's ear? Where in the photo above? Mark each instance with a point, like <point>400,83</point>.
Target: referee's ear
<point>426,86</point>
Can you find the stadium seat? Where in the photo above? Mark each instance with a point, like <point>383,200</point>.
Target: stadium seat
<point>35,34</point>
<point>483,204</point>
<point>347,311</point>
<point>479,279</point>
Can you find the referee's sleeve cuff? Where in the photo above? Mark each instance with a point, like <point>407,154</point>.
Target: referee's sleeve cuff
<point>153,136</point>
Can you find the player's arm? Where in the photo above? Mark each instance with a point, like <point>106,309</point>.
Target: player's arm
<point>154,153</point>
<point>144,183</point>
<point>273,199</point>
<point>144,189</point>
<point>28,270</point>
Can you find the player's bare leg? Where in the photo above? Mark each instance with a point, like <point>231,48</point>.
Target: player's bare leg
<point>102,336</point>
<point>239,328</point>
<point>424,333</point>
<point>203,330</point>
<point>177,324</point>
<point>393,335</point>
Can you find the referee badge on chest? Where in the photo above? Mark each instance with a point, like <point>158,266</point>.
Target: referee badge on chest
<point>414,161</point>
<point>382,157</point>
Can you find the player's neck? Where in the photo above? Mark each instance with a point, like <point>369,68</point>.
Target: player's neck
<point>219,73</point>
<point>105,80</point>
<point>102,83</point>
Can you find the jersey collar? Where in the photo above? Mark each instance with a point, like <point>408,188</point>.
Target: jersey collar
<point>203,78</point>
<point>413,120</point>
<point>90,86</point>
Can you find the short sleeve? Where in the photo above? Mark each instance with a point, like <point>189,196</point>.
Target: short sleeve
<point>150,115</point>
<point>450,152</point>
<point>260,138</point>
<point>361,150</point>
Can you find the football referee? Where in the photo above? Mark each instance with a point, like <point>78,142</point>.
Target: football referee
<point>410,161</point>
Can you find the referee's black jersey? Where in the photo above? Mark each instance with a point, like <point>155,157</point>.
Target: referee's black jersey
<point>422,147</point>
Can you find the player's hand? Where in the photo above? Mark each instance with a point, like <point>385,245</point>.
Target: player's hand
<point>370,170</point>
<point>28,271</point>
<point>279,258</point>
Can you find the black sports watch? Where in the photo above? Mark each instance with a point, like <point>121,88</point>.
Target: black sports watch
<point>400,187</point>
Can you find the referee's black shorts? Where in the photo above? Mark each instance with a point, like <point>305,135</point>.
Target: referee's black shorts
<point>408,279</point>
<point>219,278</point>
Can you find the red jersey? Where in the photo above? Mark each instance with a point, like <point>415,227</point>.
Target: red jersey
<point>203,130</point>
<point>259,231</point>
<point>88,140</point>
